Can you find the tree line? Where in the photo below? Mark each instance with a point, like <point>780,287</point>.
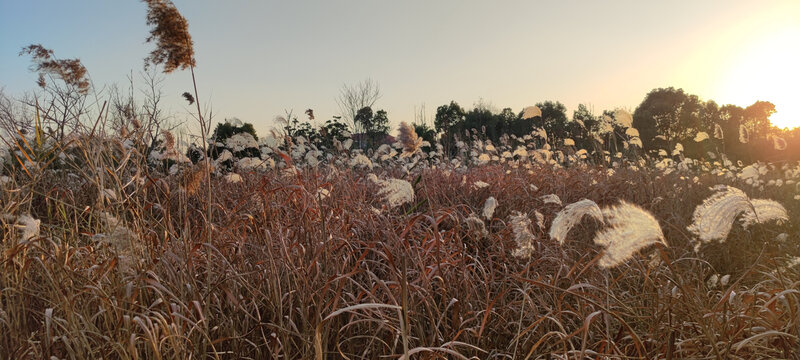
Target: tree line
<point>665,118</point>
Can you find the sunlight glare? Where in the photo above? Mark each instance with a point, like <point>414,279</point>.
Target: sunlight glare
<point>767,70</point>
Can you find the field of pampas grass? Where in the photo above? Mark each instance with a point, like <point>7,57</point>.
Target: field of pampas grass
<point>340,261</point>
<point>121,240</point>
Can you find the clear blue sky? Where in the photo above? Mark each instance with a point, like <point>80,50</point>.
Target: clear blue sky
<point>257,58</point>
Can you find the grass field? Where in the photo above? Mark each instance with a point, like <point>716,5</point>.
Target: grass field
<point>120,241</point>
<point>104,257</point>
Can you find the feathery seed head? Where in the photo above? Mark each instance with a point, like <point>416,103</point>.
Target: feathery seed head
<point>488,208</point>
<point>170,31</point>
<point>744,135</point>
<point>411,142</point>
<point>570,216</point>
<point>630,228</point>
<point>701,136</point>
<point>520,227</point>
<point>714,218</point>
<point>551,199</point>
<point>395,192</point>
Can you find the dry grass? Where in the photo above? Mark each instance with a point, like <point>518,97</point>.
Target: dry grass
<point>290,274</point>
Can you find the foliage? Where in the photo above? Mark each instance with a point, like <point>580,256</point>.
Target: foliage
<point>375,127</point>
<point>554,120</point>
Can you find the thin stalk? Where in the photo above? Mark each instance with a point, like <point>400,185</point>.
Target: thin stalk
<point>205,156</point>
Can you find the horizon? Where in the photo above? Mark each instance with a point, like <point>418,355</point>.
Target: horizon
<point>256,60</point>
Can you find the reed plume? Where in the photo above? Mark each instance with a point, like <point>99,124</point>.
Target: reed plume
<point>71,71</point>
<point>630,229</point>
<point>488,207</point>
<point>395,192</point>
<point>551,199</point>
<point>571,215</point>
<point>188,97</point>
<point>408,138</point>
<point>778,143</point>
<point>744,135</point>
<point>702,135</point>
<point>623,118</point>
<point>718,134</point>
<point>170,32</point>
<point>520,227</point>
<point>713,219</point>
<point>531,112</point>
<point>762,211</point>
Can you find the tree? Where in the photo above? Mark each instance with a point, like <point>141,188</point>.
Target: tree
<point>447,121</point>
<point>353,98</point>
<point>756,119</point>
<point>583,123</point>
<point>671,113</point>
<point>554,120</point>
<point>447,116</point>
<point>421,127</point>
<point>375,126</point>
<point>585,116</point>
<point>483,121</point>
<point>333,130</point>
<point>425,132</point>
<point>379,128</point>
<point>507,123</point>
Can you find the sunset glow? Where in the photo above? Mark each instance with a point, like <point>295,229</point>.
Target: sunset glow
<point>767,70</point>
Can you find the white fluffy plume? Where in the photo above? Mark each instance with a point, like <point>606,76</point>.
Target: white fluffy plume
<point>713,219</point>
<point>764,210</point>
<point>778,143</point>
<point>571,215</point>
<point>488,207</point>
<point>28,227</point>
<point>718,131</point>
<point>531,112</point>
<point>623,118</point>
<point>702,135</point>
<point>396,192</point>
<point>551,199</point>
<point>409,139</point>
<point>744,135</point>
<point>520,226</point>
<point>630,228</point>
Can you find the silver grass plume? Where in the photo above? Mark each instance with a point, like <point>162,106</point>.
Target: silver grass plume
<point>550,199</point>
<point>744,135</point>
<point>531,112</point>
<point>571,215</point>
<point>408,137</point>
<point>395,192</point>
<point>630,228</point>
<point>764,210</point>
<point>713,219</point>
<point>623,118</point>
<point>539,219</point>
<point>488,207</point>
<point>476,226</point>
<point>778,143</point>
<point>701,136</point>
<point>718,131</point>
<point>520,227</point>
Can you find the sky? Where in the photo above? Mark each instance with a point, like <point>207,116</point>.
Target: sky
<point>258,59</point>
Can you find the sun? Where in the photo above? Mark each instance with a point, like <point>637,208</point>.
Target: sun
<point>767,69</point>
